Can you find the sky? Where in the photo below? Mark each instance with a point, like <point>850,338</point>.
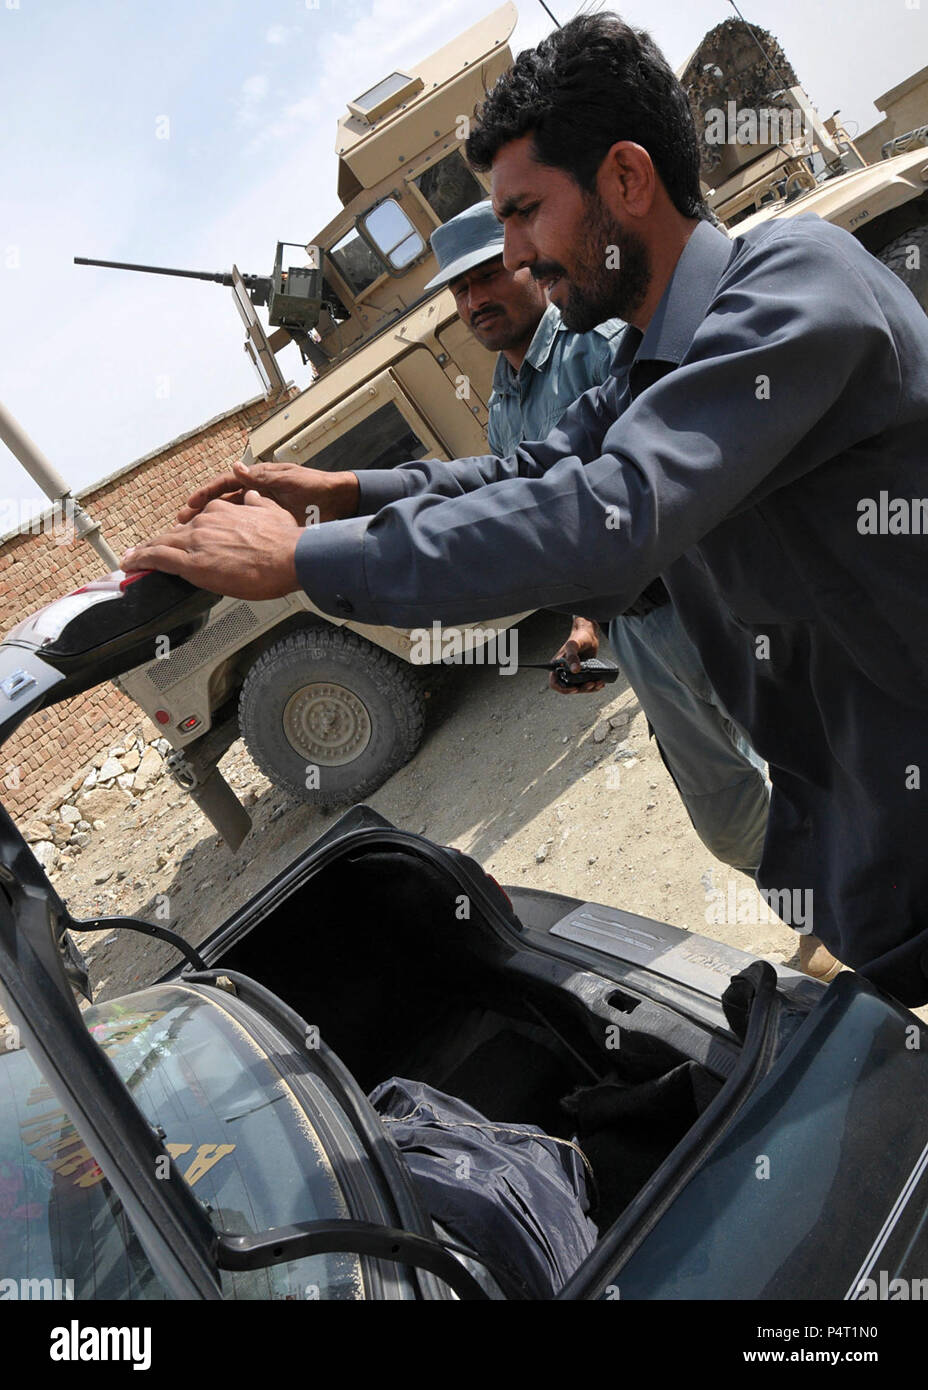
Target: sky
<point>198,133</point>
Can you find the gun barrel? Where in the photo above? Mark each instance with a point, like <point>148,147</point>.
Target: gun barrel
<point>218,276</point>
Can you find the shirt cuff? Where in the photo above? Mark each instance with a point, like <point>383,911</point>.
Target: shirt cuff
<point>378,488</point>
<point>329,562</point>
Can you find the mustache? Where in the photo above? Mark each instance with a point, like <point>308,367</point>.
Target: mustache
<point>486,312</point>
<point>546,270</point>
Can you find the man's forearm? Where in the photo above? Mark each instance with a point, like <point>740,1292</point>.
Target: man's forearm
<point>377,488</point>
<point>346,494</point>
<point>587,418</point>
<point>595,525</point>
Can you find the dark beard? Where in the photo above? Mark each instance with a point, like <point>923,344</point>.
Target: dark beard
<point>607,293</point>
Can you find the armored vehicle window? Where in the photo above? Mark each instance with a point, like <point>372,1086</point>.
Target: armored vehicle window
<point>356,261</point>
<point>382,440</point>
<point>393,234</point>
<point>449,187</point>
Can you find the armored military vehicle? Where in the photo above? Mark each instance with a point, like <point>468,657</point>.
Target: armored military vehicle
<point>330,708</point>
<point>766,152</point>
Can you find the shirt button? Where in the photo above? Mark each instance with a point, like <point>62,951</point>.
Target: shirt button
<point>343,605</point>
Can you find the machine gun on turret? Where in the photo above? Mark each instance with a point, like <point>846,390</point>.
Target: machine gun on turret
<point>293,298</point>
<point>258,286</point>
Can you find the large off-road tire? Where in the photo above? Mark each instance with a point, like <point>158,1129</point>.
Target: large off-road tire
<point>330,716</point>
<point>900,254</point>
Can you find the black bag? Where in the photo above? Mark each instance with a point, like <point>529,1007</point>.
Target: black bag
<point>509,1192</point>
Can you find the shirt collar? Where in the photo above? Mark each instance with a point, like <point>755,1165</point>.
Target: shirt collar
<point>687,297</point>
<point>539,350</point>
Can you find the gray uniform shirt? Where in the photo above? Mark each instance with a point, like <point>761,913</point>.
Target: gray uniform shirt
<point>558,367</point>
<point>740,448</point>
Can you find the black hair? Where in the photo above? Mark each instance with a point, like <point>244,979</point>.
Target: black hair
<point>589,84</point>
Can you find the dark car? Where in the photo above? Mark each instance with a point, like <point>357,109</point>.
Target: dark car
<point>387,1078</point>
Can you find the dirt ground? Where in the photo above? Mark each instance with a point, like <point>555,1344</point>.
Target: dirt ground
<point>563,793</point>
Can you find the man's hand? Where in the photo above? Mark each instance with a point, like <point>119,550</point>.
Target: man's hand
<point>581,645</point>
<point>308,494</point>
<point>244,551</point>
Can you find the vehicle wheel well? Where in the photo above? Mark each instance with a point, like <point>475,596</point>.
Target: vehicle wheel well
<point>246,657</point>
<point>875,235</point>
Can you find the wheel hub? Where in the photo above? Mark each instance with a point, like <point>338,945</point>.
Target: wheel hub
<point>327,724</point>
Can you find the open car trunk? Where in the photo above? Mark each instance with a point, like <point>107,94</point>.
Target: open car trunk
<point>411,963</point>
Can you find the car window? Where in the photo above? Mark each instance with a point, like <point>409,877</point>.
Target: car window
<point>232,1126</point>
<point>63,1232</point>
<point>393,234</point>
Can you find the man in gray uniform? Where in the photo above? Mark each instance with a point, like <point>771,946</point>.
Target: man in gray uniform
<point>542,368</point>
<point>759,445</point>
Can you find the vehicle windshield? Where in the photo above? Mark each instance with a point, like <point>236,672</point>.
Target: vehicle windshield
<point>356,261</point>
<point>381,440</point>
<point>393,234</point>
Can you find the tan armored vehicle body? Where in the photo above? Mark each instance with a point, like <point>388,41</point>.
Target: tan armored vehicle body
<point>331,708</point>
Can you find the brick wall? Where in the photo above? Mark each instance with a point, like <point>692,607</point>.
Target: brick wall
<point>56,744</point>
